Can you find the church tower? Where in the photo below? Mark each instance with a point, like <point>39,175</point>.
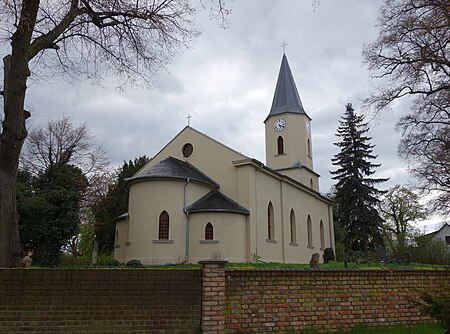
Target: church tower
<point>288,132</point>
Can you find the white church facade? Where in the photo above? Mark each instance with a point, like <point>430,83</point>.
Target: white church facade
<point>198,199</point>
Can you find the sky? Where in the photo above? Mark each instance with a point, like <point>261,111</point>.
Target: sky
<point>226,81</point>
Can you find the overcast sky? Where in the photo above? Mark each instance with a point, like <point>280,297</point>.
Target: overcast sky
<point>226,81</point>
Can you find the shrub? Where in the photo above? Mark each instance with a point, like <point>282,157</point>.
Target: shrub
<point>340,251</point>
<point>436,304</point>
<point>113,264</point>
<point>328,255</point>
<point>134,264</point>
<point>430,251</point>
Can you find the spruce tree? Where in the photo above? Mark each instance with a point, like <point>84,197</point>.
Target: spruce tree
<point>356,195</point>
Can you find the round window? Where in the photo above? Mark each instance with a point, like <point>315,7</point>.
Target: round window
<point>187,150</point>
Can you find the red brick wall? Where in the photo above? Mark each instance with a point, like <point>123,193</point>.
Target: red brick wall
<point>216,300</point>
<point>100,301</point>
<point>286,300</point>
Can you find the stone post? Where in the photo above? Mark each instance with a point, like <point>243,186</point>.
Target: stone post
<point>213,296</point>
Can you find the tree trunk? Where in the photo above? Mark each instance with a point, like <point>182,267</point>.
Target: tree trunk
<point>13,134</point>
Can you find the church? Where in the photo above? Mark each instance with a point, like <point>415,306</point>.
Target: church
<point>198,199</point>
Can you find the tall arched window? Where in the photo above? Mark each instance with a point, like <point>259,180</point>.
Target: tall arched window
<point>293,227</point>
<point>310,237</point>
<point>322,236</point>
<point>163,233</point>
<point>280,145</point>
<point>309,147</point>
<point>209,232</point>
<point>117,237</point>
<point>270,224</point>
<point>311,183</point>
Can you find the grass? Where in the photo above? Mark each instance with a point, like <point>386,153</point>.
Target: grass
<point>332,265</point>
<point>426,328</point>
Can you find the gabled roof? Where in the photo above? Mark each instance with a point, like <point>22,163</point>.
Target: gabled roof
<point>171,168</point>
<point>215,201</point>
<point>437,231</point>
<point>286,98</point>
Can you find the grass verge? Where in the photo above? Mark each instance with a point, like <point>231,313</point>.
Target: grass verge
<point>426,328</point>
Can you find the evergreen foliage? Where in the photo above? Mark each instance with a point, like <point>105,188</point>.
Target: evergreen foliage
<point>328,255</point>
<point>49,210</point>
<point>113,204</point>
<point>355,195</point>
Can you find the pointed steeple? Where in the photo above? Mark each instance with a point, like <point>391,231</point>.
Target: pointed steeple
<point>286,98</point>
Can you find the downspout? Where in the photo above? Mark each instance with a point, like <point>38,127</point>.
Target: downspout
<point>283,248</point>
<point>188,180</point>
<point>256,212</point>
<point>331,226</point>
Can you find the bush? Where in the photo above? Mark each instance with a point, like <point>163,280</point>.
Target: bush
<point>436,304</point>
<point>430,251</point>
<point>134,264</point>
<point>328,255</point>
<point>113,264</point>
<point>68,260</point>
<point>340,251</point>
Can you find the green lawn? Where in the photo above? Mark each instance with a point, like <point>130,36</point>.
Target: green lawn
<point>418,329</point>
<point>331,265</point>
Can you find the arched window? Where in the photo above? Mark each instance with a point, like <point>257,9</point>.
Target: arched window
<point>310,237</point>
<point>117,237</point>
<point>309,147</point>
<point>270,225</point>
<point>209,232</point>
<point>163,226</point>
<point>293,227</point>
<point>322,236</point>
<point>311,183</point>
<point>280,145</point>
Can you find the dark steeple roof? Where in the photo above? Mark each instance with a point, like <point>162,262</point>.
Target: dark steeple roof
<point>215,201</point>
<point>171,168</point>
<point>286,98</point>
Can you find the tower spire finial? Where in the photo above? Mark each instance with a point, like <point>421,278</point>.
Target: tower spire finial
<point>284,47</point>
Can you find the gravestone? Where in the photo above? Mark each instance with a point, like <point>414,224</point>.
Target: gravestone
<point>314,263</point>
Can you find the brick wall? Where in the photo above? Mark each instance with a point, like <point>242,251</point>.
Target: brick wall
<point>100,301</point>
<point>211,300</point>
<point>261,301</point>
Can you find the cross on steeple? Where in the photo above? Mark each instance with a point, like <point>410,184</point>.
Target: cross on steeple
<point>189,119</point>
<point>284,47</point>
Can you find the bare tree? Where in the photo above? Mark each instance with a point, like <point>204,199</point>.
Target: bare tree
<point>63,142</point>
<point>75,37</point>
<point>60,141</point>
<point>400,209</point>
<point>410,58</point>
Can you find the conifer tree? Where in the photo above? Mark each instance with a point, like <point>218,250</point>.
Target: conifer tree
<point>356,195</point>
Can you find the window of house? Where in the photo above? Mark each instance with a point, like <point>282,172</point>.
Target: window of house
<point>322,236</point>
<point>293,227</point>
<point>311,183</point>
<point>309,227</point>
<point>270,223</point>
<point>280,144</point>
<point>209,232</point>
<point>163,233</point>
<point>447,239</point>
<point>117,237</point>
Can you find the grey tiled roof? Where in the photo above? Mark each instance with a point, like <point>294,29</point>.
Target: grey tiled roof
<point>172,168</point>
<point>215,201</point>
<point>286,98</point>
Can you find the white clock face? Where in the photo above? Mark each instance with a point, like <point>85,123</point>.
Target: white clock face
<point>279,125</point>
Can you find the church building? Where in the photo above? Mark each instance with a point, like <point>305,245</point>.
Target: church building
<point>198,199</point>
